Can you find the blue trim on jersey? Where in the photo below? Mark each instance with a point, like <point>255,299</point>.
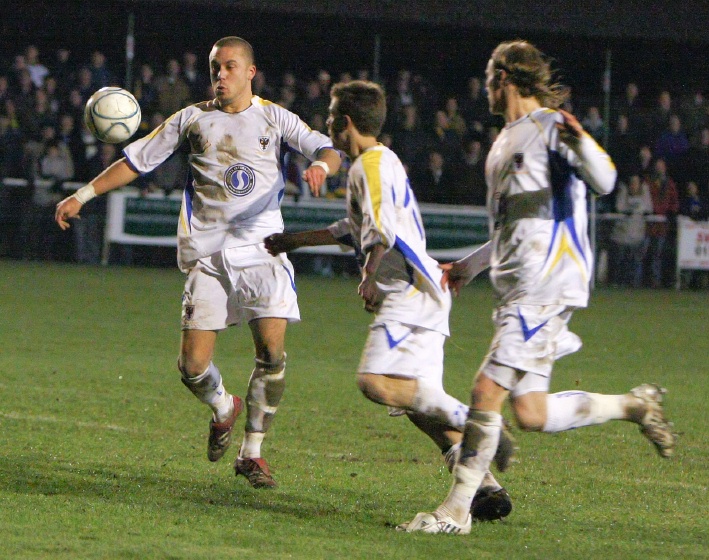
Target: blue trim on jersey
<point>292,280</point>
<point>189,195</point>
<point>562,174</point>
<point>282,160</point>
<point>412,258</point>
<point>393,195</point>
<point>407,197</point>
<point>526,331</point>
<point>418,225</point>
<point>393,343</point>
<point>280,195</point>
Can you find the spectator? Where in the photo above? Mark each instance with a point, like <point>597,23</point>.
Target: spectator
<point>644,162</point>
<point>442,139</point>
<point>628,235</point>
<point>101,76</point>
<point>173,91</point>
<point>693,112</point>
<point>695,207</point>
<point>469,185</point>
<point>672,146</point>
<point>630,106</point>
<point>197,81</point>
<point>56,163</point>
<point>10,148</point>
<point>63,70</point>
<point>146,94</point>
<point>39,238</point>
<point>38,71</point>
<point>408,138</point>
<point>85,84</point>
<point>313,103</point>
<point>693,204</point>
<point>434,183</point>
<point>594,125</point>
<point>623,147</point>
<point>665,203</point>
<point>473,106</point>
<point>70,136</point>
<point>456,122</point>
<point>260,86</point>
<point>660,119</point>
<point>51,88</point>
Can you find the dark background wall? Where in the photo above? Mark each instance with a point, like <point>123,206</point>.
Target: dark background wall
<point>658,44</point>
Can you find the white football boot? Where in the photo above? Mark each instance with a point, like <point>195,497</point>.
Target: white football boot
<point>436,523</point>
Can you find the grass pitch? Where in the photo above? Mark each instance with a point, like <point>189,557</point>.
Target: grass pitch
<point>102,450</point>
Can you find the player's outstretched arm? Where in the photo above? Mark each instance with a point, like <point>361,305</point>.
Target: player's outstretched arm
<point>459,273</point>
<point>118,174</point>
<point>328,163</point>
<point>283,242</point>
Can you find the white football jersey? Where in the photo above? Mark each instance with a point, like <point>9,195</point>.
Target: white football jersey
<point>382,208</point>
<point>236,186</point>
<point>541,252</point>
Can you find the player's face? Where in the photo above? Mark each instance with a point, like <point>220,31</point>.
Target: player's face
<point>495,96</point>
<point>231,72</point>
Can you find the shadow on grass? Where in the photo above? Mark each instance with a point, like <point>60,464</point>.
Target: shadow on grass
<point>156,488</point>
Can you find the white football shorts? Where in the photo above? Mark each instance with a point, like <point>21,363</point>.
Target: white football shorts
<point>528,340</point>
<point>237,285</point>
<point>397,349</point>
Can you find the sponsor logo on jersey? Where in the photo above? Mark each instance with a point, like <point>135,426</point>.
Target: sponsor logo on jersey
<point>264,142</point>
<point>519,160</point>
<point>239,179</point>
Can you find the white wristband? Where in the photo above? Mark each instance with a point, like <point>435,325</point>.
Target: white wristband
<point>322,164</point>
<point>85,193</point>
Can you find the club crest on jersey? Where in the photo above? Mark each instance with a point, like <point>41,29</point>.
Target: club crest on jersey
<point>264,142</point>
<point>518,158</point>
<point>239,179</point>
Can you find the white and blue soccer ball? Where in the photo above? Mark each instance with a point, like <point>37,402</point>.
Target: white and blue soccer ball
<point>112,115</point>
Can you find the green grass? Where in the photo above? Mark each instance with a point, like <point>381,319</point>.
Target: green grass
<point>102,450</point>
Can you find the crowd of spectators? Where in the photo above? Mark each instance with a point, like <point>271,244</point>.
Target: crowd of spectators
<point>659,142</point>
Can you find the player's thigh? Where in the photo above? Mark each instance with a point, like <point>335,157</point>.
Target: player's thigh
<point>401,350</point>
<point>196,351</point>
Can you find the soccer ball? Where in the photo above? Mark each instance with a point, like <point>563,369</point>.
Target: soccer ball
<point>112,115</point>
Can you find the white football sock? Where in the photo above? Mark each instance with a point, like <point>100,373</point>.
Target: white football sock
<point>209,388</point>
<point>432,401</point>
<point>265,390</point>
<point>574,409</point>
<point>251,446</point>
<point>482,434</point>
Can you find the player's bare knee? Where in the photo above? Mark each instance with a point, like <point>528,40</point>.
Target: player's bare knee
<point>188,366</point>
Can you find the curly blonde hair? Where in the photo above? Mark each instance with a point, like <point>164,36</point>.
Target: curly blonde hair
<point>528,68</point>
